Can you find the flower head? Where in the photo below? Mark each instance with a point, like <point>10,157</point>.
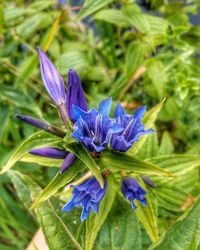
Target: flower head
<point>75,95</point>
<point>53,82</point>
<point>132,190</point>
<point>88,195</point>
<point>94,128</point>
<point>133,128</point>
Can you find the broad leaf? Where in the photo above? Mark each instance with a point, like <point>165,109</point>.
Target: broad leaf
<point>118,161</point>
<point>147,216</point>
<point>91,6</point>
<point>113,16</point>
<point>57,235</point>
<point>39,139</point>
<point>84,156</point>
<point>58,181</point>
<point>120,231</point>
<point>184,234</point>
<point>95,222</point>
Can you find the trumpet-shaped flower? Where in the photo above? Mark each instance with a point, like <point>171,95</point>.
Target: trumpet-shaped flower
<point>133,191</point>
<point>87,195</point>
<point>94,128</point>
<point>75,95</point>
<point>133,128</point>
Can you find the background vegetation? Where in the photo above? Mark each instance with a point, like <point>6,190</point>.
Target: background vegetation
<point>138,54</point>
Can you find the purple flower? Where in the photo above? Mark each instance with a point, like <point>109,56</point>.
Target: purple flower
<point>56,154</point>
<point>148,181</point>
<point>75,95</point>
<point>68,161</point>
<point>49,152</point>
<point>87,195</point>
<point>44,125</point>
<point>132,190</point>
<point>94,128</point>
<point>53,82</point>
<point>133,128</point>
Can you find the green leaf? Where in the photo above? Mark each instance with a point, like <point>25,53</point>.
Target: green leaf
<point>120,231</point>
<point>166,146</point>
<point>148,120</point>
<point>147,215</point>
<point>157,74</point>
<point>118,161</point>
<point>57,235</point>
<point>72,59</point>
<point>44,161</point>
<point>178,164</point>
<point>150,147</point>
<point>184,234</point>
<point>135,57</point>
<point>19,99</point>
<point>84,156</point>
<point>95,221</point>
<point>113,16</point>
<point>39,139</point>
<point>58,181</point>
<point>91,6</point>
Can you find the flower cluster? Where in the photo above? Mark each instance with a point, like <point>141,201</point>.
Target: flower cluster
<point>94,129</point>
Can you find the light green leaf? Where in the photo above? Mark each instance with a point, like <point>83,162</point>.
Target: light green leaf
<point>184,234</point>
<point>166,146</point>
<point>121,230</point>
<point>135,57</point>
<point>39,139</point>
<point>148,120</point>
<point>157,74</point>
<point>95,221</point>
<point>58,181</point>
<point>118,161</point>
<point>147,215</point>
<point>150,147</point>
<point>44,161</point>
<point>90,7</point>
<point>84,156</point>
<point>178,164</point>
<point>113,16</point>
<point>57,235</point>
<point>72,59</point>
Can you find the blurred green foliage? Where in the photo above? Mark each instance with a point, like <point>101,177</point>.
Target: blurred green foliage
<point>136,55</point>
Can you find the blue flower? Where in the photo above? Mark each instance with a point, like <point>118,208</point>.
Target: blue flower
<point>132,190</point>
<point>87,195</point>
<point>94,128</point>
<point>133,128</point>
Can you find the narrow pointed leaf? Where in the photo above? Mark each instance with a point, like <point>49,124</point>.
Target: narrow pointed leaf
<point>148,120</point>
<point>119,162</point>
<point>84,156</point>
<point>39,139</point>
<point>58,181</point>
<point>95,221</point>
